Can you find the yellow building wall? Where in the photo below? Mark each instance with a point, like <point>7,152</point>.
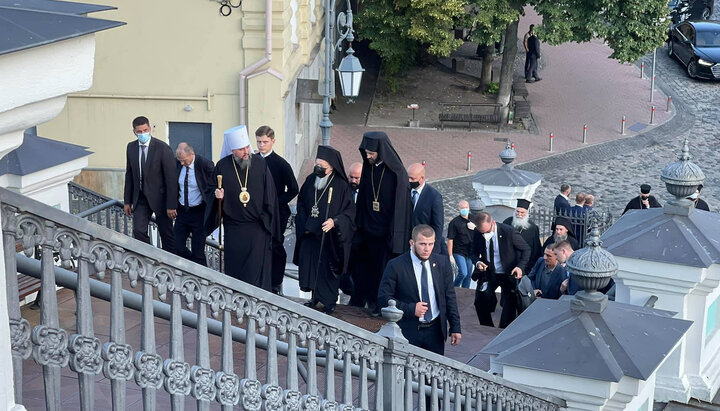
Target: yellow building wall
<point>185,49</point>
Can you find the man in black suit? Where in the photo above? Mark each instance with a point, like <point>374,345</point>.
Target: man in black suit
<point>150,185</point>
<point>195,182</point>
<point>427,205</point>
<point>562,203</point>
<point>503,255</point>
<point>286,187</point>
<point>422,285</point>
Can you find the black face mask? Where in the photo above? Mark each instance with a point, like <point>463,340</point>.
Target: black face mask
<point>319,171</point>
<point>414,184</point>
<point>354,186</point>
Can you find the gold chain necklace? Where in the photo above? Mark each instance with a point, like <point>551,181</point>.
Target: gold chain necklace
<point>376,194</point>
<point>314,210</point>
<point>244,193</point>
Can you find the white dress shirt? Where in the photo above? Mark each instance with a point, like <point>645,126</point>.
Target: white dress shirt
<point>194,197</point>
<point>431,288</point>
<point>418,191</point>
<point>496,251</point>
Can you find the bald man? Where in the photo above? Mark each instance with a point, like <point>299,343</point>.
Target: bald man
<point>427,205</point>
<point>354,174</point>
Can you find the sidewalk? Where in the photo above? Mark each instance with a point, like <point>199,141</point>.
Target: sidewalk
<point>580,85</point>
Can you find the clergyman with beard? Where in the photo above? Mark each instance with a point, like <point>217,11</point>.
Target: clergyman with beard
<point>249,211</point>
<point>324,225</point>
<point>528,230</point>
<point>563,232</point>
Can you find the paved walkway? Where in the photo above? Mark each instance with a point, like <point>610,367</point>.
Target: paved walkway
<point>580,85</point>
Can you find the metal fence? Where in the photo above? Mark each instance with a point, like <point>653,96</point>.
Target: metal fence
<point>545,219</point>
<point>375,371</point>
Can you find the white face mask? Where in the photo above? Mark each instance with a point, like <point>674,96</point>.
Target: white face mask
<point>488,236</point>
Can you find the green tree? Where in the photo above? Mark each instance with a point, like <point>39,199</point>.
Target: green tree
<point>400,29</point>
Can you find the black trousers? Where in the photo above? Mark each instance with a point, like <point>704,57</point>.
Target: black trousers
<point>376,252</point>
<point>190,223</point>
<point>429,338</point>
<point>141,219</point>
<point>531,64</point>
<point>484,305</point>
<point>279,255</point>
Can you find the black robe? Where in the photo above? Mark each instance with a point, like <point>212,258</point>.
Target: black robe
<point>248,231</point>
<point>531,235</point>
<point>323,279</point>
<point>700,204</point>
<point>636,204</point>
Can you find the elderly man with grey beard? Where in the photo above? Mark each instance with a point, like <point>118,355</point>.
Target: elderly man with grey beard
<point>528,230</point>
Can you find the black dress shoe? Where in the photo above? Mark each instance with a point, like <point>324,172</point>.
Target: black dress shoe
<point>529,81</point>
<point>312,303</point>
<point>537,79</point>
<point>329,309</point>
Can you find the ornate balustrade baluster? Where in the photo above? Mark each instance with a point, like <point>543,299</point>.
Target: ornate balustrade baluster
<point>364,403</point>
<point>148,365</point>
<point>446,393</point>
<point>469,397</point>
<point>84,347</point>
<point>458,396</point>
<point>329,402</point>
<point>434,393</point>
<point>311,400</point>
<point>49,340</point>
<point>226,381</point>
<point>422,398</point>
<point>20,344</point>
<point>202,377</point>
<point>250,388</point>
<point>271,391</point>
<point>291,396</point>
<point>118,356</point>
<point>176,370</point>
<point>408,388</point>
<point>347,397</point>
<point>379,386</point>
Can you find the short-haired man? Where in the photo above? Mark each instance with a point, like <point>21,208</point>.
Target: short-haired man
<point>643,201</point>
<point>460,243</point>
<point>547,275</point>
<point>421,284</point>
<point>427,205</point>
<point>286,187</point>
<point>563,250</point>
<point>562,201</point>
<point>577,212</point>
<point>503,255</point>
<point>589,203</point>
<point>354,174</point>
<point>196,186</point>
<point>150,184</point>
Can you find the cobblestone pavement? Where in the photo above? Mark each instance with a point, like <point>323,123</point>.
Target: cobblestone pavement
<point>613,171</point>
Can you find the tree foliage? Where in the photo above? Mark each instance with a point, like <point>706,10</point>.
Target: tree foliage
<point>630,27</point>
<point>399,29</point>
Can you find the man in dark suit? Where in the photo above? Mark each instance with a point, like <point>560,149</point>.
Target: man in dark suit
<point>503,255</point>
<point>422,285</point>
<point>286,187</point>
<point>547,276</point>
<point>195,182</point>
<point>150,185</point>
<point>427,205</point>
<point>562,203</point>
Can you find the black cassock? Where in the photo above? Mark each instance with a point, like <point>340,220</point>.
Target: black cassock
<point>248,230</point>
<point>323,279</point>
<point>531,235</point>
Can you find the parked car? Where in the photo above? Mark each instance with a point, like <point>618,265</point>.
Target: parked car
<point>681,10</point>
<point>696,44</point>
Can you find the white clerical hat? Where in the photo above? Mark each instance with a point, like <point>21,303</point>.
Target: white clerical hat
<point>234,138</point>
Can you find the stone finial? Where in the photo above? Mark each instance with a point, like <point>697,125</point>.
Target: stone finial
<point>508,155</point>
<point>591,269</point>
<point>392,315</point>
<point>683,176</point>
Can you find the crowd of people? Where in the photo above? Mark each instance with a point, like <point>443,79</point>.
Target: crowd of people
<point>375,232</point>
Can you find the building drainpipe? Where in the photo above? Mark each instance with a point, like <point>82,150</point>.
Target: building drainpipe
<point>253,68</point>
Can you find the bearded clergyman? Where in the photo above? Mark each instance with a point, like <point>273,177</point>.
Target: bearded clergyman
<point>249,211</point>
<point>563,231</point>
<point>528,230</point>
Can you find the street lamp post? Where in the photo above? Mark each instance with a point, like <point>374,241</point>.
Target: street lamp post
<point>349,68</point>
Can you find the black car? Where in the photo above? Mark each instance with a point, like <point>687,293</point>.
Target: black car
<point>697,45</point>
<point>682,10</point>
